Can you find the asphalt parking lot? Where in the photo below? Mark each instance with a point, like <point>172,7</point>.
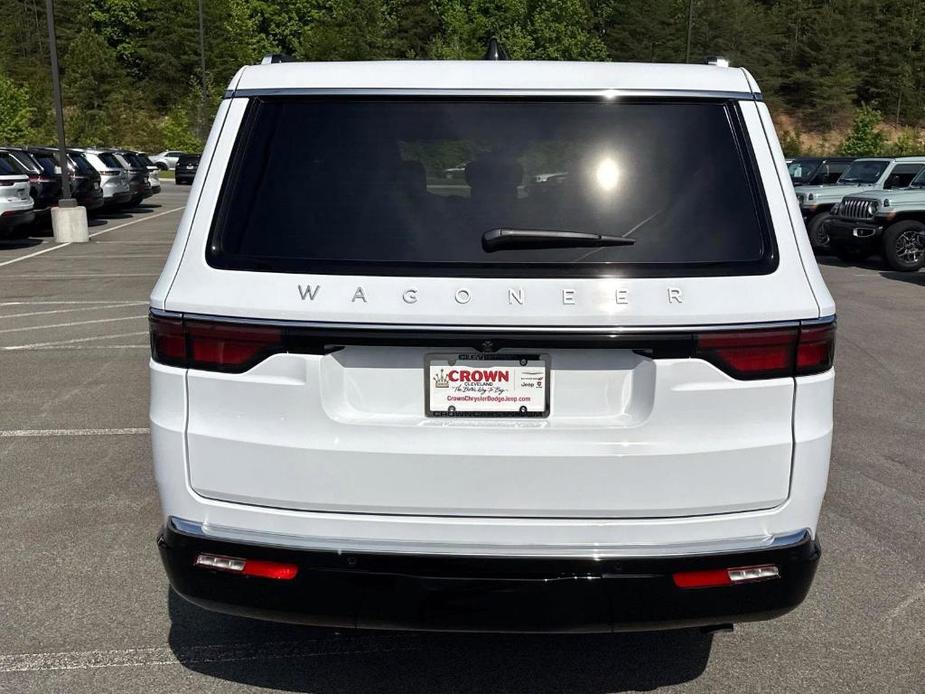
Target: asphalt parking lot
<point>84,604</point>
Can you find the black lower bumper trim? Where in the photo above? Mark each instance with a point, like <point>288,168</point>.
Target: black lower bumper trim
<point>844,232</point>
<point>450,593</point>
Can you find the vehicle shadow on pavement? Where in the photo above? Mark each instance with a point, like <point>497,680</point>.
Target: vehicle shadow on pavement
<point>303,659</point>
<point>16,244</point>
<point>910,277</point>
<point>873,263</point>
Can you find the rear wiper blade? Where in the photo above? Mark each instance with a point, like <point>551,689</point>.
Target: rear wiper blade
<point>500,239</point>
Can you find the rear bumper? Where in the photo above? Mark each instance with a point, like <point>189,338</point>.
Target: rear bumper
<point>13,218</point>
<point>478,593</point>
<point>117,198</point>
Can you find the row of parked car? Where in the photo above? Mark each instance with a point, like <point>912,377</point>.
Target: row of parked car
<point>856,208</point>
<point>101,178</point>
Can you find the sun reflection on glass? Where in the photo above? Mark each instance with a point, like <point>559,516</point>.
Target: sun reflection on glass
<point>607,174</point>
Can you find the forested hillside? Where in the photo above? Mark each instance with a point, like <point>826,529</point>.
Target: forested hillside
<point>131,68</point>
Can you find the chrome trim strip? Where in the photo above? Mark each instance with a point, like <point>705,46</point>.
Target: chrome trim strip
<point>603,93</point>
<point>822,320</point>
<point>366,546</point>
<point>444,327</point>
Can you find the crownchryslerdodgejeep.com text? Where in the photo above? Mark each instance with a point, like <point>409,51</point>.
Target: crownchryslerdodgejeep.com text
<point>492,346</point>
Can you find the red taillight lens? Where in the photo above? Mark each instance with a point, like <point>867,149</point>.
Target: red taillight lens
<point>816,351</point>
<point>229,346</point>
<point>168,340</point>
<point>750,354</point>
<point>753,354</point>
<point>212,346</point>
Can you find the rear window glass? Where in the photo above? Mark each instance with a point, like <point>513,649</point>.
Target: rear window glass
<point>48,162</point>
<point>382,186</point>
<point>27,161</point>
<point>110,160</point>
<point>83,166</point>
<point>9,166</point>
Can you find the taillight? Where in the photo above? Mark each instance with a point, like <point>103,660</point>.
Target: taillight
<point>816,350</point>
<point>231,347</point>
<point>772,353</point>
<point>211,346</point>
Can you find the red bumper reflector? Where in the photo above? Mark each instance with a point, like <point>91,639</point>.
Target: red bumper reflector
<point>714,578</point>
<point>702,579</point>
<point>270,569</point>
<point>248,567</point>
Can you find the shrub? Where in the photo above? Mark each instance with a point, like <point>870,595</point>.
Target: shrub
<point>866,138</point>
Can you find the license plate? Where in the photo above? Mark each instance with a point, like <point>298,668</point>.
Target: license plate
<point>486,385</point>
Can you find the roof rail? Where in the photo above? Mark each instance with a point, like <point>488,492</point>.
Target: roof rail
<point>271,58</point>
<point>718,61</point>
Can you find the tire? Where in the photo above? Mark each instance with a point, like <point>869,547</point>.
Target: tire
<point>818,236</point>
<point>904,247</point>
<point>162,166</point>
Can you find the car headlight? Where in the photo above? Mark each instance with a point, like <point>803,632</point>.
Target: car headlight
<point>835,208</point>
<point>801,197</point>
<point>872,208</point>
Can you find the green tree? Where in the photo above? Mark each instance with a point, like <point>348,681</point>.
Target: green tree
<point>791,143</point>
<point>865,138</point>
<point>350,30</point>
<point>16,112</point>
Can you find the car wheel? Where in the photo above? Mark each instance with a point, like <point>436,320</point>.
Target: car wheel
<point>904,246</point>
<point>162,166</point>
<point>818,236</point>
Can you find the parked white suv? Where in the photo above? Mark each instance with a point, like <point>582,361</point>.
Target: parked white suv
<point>114,177</point>
<point>166,160</point>
<point>381,401</point>
<point>16,204</point>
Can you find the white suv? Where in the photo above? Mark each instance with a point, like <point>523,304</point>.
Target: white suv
<point>380,400</point>
<point>16,204</point>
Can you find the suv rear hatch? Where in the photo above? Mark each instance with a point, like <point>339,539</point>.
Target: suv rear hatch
<point>346,294</point>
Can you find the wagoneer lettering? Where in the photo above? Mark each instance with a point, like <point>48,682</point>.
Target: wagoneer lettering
<point>571,370</point>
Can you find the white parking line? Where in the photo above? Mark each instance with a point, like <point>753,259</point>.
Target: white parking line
<point>130,256</point>
<point>69,303</point>
<point>98,307</point>
<point>59,347</point>
<point>219,653</point>
<point>83,276</point>
<point>93,235</point>
<point>72,324</point>
<point>41,433</point>
<point>14,348</point>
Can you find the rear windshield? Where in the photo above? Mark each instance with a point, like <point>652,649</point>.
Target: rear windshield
<point>83,166</point>
<point>27,161</point>
<point>9,165</point>
<point>383,186</point>
<point>110,160</point>
<point>48,162</point>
